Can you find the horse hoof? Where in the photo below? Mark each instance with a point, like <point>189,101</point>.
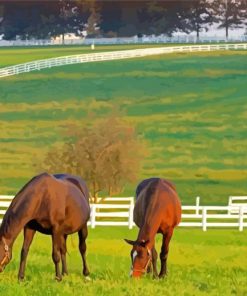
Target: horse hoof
<point>21,279</point>
<point>88,279</point>
<point>58,278</point>
<point>86,272</point>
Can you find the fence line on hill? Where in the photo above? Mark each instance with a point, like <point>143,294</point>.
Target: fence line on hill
<point>109,56</point>
<point>125,40</point>
<point>192,216</point>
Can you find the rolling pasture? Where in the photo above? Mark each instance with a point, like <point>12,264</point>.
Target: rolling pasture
<point>191,109</point>
<point>199,263</point>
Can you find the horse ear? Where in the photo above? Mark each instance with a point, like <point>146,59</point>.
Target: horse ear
<point>130,242</point>
<point>143,243</point>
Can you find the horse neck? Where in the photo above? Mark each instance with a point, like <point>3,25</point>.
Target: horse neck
<point>16,217</point>
<point>150,225</point>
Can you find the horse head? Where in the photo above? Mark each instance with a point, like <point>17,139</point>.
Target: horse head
<point>141,257</point>
<point>5,254</point>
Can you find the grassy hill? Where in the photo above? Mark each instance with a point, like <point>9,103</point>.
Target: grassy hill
<point>190,107</point>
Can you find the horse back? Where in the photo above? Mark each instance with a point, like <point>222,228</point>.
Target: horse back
<point>145,183</point>
<point>64,193</point>
<point>169,204</point>
<point>157,199</point>
<point>77,181</point>
<point>59,202</point>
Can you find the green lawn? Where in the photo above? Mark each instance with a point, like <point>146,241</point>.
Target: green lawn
<point>190,107</point>
<point>199,263</point>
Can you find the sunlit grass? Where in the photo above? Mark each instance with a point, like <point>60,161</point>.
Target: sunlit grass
<point>199,263</point>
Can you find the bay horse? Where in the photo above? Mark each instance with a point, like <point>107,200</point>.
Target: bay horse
<point>57,205</point>
<point>157,210</point>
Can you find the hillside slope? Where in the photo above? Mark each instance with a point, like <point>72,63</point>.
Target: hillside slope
<point>191,108</point>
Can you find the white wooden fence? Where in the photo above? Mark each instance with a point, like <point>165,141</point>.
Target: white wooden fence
<point>178,38</point>
<point>119,214</point>
<point>236,201</point>
<point>114,55</point>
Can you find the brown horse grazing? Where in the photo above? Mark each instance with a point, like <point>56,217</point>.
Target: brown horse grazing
<point>55,205</point>
<point>157,210</point>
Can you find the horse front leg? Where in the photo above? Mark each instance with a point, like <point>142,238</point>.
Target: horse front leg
<point>154,262</point>
<point>28,237</point>
<point>63,255</point>
<point>164,252</point>
<point>56,253</point>
<point>82,247</point>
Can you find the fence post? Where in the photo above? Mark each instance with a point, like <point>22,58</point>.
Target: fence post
<point>131,211</point>
<point>197,204</point>
<point>241,218</point>
<point>229,205</point>
<point>93,216</point>
<point>204,219</point>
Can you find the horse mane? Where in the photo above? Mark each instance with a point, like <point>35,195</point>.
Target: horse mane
<point>169,183</point>
<point>150,191</point>
<point>11,212</point>
<point>25,187</point>
<point>144,184</point>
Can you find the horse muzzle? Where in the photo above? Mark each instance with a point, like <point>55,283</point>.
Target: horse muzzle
<point>4,262</point>
<point>136,273</point>
<point>2,268</point>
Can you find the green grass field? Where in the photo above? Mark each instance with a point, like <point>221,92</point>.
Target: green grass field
<point>190,107</point>
<point>199,263</point>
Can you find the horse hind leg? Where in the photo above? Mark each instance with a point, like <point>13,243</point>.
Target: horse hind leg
<point>63,256</point>
<point>82,247</point>
<point>164,252</point>
<point>56,253</point>
<point>28,238</point>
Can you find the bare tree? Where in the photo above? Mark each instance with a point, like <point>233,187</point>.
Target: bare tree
<point>107,155</point>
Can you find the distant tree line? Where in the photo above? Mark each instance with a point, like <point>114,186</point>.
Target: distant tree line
<point>45,19</point>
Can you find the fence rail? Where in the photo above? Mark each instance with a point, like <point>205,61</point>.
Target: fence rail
<point>114,55</point>
<point>236,201</point>
<point>116,214</point>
